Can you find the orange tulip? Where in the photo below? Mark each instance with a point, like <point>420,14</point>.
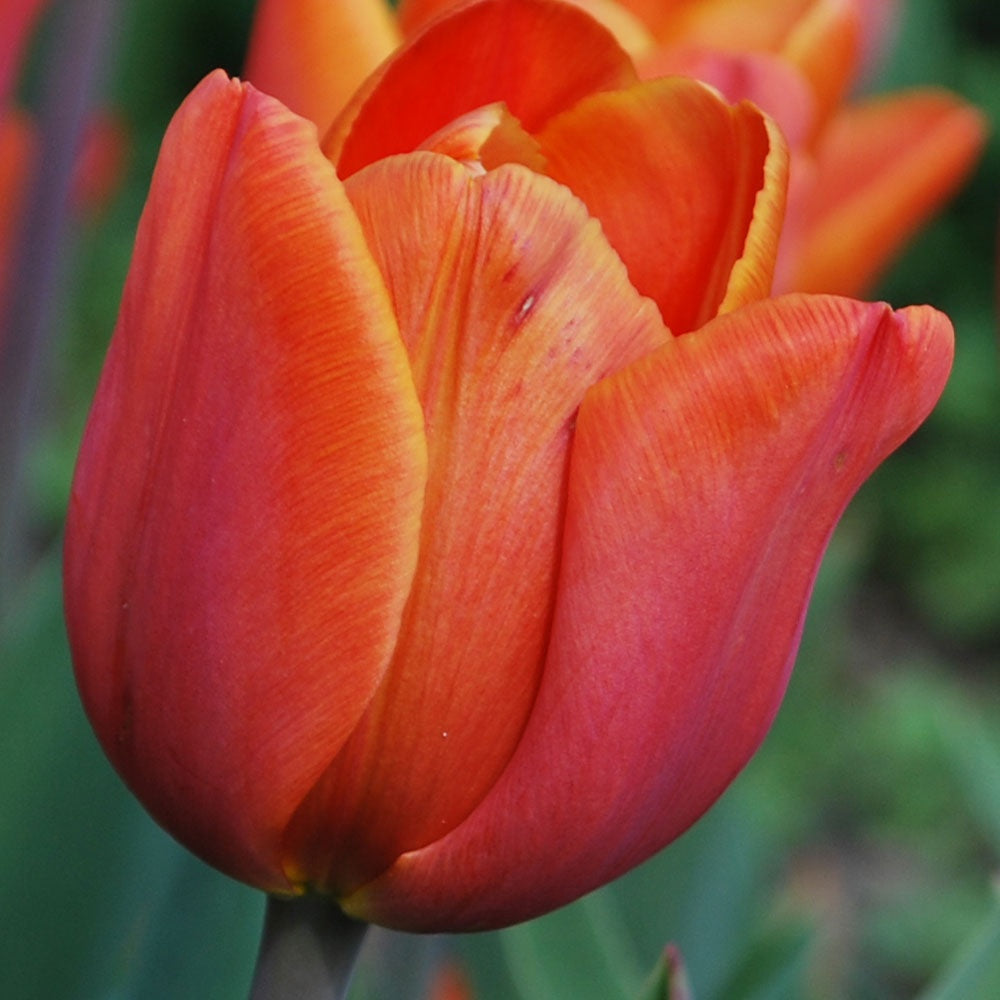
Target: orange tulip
<point>313,54</point>
<point>905,154</point>
<point>443,529</point>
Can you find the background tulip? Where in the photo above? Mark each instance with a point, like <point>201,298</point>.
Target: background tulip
<point>411,556</point>
<point>866,175</point>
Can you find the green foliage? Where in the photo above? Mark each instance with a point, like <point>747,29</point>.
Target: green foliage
<point>975,971</point>
<point>98,901</point>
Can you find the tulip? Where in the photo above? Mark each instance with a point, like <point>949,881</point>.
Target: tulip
<point>443,528</point>
<point>866,175</point>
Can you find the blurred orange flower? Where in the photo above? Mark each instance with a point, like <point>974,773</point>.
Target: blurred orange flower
<point>865,175</point>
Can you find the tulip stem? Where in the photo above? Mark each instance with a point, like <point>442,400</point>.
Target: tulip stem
<point>307,951</point>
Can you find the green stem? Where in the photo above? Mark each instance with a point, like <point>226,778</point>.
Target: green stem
<point>307,951</point>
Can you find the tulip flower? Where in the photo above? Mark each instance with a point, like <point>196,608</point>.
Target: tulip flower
<point>445,521</point>
<point>866,175</point>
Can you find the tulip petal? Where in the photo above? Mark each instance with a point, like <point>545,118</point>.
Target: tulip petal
<point>485,138</point>
<point>882,168</point>
<point>496,50</point>
<point>759,77</point>
<point>825,47</point>
<point>245,517</point>
<point>632,34</point>
<point>415,15</point>
<point>690,191</point>
<point>704,484</point>
<point>628,28</point>
<point>314,54</point>
<point>511,304</point>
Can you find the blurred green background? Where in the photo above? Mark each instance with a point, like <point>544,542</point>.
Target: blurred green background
<point>856,856</point>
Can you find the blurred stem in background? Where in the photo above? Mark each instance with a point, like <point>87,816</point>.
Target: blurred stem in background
<point>74,59</point>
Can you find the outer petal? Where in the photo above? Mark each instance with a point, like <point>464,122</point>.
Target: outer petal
<point>497,50</point>
<point>313,54</point>
<point>689,190</point>
<point>415,15</point>
<point>630,31</point>
<point>244,520</point>
<point>705,482</point>
<point>882,168</point>
<point>512,305</point>
<point>632,34</point>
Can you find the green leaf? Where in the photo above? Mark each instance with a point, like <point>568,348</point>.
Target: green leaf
<point>702,892</point>
<point>975,971</point>
<point>772,968</point>
<point>668,980</point>
<point>581,951</point>
<point>99,902</point>
<point>973,751</point>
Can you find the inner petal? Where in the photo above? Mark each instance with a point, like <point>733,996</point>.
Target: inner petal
<point>485,138</point>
